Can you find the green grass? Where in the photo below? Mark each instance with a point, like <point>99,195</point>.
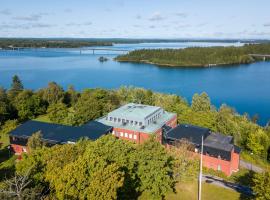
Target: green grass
<point>189,191</point>
<point>43,118</point>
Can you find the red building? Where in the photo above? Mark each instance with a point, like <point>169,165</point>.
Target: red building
<point>219,152</point>
<point>54,133</point>
<point>137,122</point>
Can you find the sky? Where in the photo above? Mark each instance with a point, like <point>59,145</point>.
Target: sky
<point>220,19</point>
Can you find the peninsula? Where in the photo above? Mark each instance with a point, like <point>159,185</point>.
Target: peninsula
<point>199,56</point>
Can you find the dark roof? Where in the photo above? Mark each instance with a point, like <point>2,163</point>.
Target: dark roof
<point>61,133</point>
<point>192,133</point>
<point>219,141</point>
<point>237,149</point>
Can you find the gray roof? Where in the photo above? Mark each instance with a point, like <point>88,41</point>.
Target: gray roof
<point>61,133</point>
<point>136,112</point>
<point>189,132</point>
<point>219,141</point>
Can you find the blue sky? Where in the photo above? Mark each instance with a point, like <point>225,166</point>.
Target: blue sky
<point>135,18</point>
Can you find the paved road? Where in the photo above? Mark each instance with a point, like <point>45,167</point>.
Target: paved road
<point>228,185</point>
<point>251,166</point>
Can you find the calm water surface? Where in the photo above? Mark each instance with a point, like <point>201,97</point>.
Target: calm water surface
<point>244,87</point>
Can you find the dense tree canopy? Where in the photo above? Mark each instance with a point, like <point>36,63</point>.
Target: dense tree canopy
<point>197,56</point>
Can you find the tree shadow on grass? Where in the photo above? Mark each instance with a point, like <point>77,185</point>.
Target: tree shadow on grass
<point>246,179</point>
<point>7,164</point>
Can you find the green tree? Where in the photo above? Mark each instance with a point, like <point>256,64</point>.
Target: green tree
<point>87,108</point>
<point>105,183</point>
<point>28,105</point>
<point>201,102</point>
<point>5,129</point>
<point>262,186</point>
<point>258,143</point>
<point>35,141</point>
<point>53,93</point>
<point>71,96</point>
<point>58,112</point>
<point>16,86</point>
<point>4,106</point>
<point>154,169</point>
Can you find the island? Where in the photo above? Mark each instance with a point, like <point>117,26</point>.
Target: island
<point>199,56</point>
<point>103,59</point>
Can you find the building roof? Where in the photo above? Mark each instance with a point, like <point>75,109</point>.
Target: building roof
<point>61,133</point>
<point>151,128</point>
<point>189,132</point>
<point>136,112</point>
<point>219,141</point>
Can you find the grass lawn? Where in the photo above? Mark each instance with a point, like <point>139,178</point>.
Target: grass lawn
<point>189,191</point>
<point>43,118</point>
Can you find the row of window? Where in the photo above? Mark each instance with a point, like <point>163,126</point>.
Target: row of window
<point>154,118</point>
<point>126,135</point>
<point>119,120</point>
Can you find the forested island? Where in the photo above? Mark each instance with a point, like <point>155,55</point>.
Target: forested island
<point>199,56</point>
<point>50,43</point>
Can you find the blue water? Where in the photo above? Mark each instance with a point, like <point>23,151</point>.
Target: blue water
<point>244,87</point>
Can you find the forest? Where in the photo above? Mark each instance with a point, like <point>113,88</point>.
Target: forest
<point>109,168</point>
<point>198,56</point>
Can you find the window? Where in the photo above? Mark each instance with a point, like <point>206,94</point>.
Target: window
<point>114,119</point>
<point>135,137</point>
<point>111,118</point>
<point>126,135</point>
<point>218,167</point>
<point>113,133</point>
<point>136,122</point>
<point>130,136</point>
<point>119,120</point>
<point>121,134</point>
<point>140,123</point>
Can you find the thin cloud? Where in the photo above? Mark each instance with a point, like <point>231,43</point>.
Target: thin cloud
<point>68,10</point>
<point>152,26</point>
<point>157,17</point>
<point>267,24</point>
<point>138,17</point>
<point>5,12</point>
<point>79,24</point>
<point>33,17</point>
<point>88,23</point>
<point>181,14</point>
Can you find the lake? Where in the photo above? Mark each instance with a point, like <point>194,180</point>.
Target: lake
<point>244,87</point>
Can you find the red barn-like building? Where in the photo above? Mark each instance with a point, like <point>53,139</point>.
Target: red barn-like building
<point>219,152</point>
<point>136,122</point>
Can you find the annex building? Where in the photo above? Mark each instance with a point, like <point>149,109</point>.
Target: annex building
<point>136,122</point>
<point>219,152</point>
<point>54,133</point>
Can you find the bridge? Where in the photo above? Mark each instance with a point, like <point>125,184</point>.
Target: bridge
<point>102,49</point>
<point>81,50</point>
<point>264,56</point>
